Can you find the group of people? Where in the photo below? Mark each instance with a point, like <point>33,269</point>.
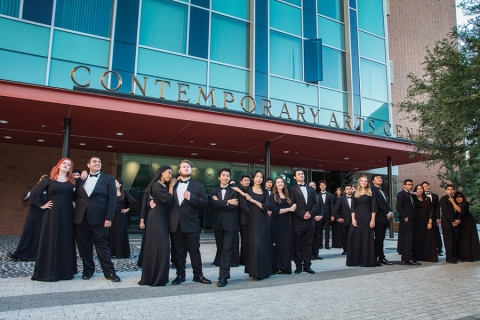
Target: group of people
<point>276,224</point>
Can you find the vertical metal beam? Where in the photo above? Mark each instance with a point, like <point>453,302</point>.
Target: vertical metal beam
<point>390,191</point>
<point>267,159</point>
<point>67,122</point>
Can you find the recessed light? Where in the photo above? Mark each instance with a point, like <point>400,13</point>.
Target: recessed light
<point>7,137</point>
<point>355,168</point>
<point>296,152</point>
<point>3,121</point>
<point>43,126</point>
<point>191,141</point>
<point>119,133</point>
<point>213,144</point>
<point>194,154</point>
<point>319,165</point>
<point>41,140</point>
<point>261,160</point>
<point>82,144</point>
<point>346,158</point>
<point>286,151</point>
<point>109,146</point>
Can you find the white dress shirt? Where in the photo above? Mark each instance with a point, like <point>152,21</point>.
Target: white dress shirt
<point>181,188</point>
<point>90,183</point>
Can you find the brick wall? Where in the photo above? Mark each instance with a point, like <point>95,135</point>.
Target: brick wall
<point>20,168</point>
<point>413,25</point>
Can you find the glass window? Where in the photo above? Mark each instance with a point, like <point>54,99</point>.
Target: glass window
<point>285,55</point>
<point>286,18</point>
<point>294,2</point>
<point>21,67</point>
<point>373,80</point>
<point>230,41</point>
<point>333,100</point>
<point>296,111</point>
<point>238,8</point>
<point>296,92</point>
<point>229,78</point>
<point>334,75</point>
<point>312,50</point>
<point>201,3</point>
<point>370,16</point>
<point>372,47</point>
<point>10,8</point>
<point>88,16</point>
<point>35,39</point>
<point>261,49</point>
<point>164,25</point>
<point>375,109</point>
<point>332,33</point>
<point>123,56</point>
<point>38,10</point>
<point>331,8</point>
<point>59,75</point>
<point>198,39</point>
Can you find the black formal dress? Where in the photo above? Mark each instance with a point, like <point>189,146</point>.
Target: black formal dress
<point>468,247</point>
<point>28,244</point>
<point>156,254</point>
<point>424,247</point>
<point>436,211</point>
<point>145,209</point>
<point>56,256</point>
<point>361,242</point>
<point>118,233</point>
<point>281,236</point>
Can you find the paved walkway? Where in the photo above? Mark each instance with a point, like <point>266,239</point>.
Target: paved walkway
<point>431,291</point>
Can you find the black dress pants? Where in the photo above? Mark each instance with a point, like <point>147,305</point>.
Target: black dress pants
<point>450,236</point>
<point>244,245</point>
<point>302,242</point>
<point>380,230</point>
<point>183,243</point>
<point>344,234</point>
<point>407,231</point>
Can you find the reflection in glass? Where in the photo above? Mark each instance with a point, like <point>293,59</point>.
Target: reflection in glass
<point>372,47</point>
<point>375,109</point>
<point>370,16</point>
<point>333,69</point>
<point>333,100</point>
<point>373,80</point>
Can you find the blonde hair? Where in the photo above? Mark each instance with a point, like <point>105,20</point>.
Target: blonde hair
<point>360,190</point>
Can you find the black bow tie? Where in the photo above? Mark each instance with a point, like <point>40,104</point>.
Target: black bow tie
<point>302,185</point>
<point>324,193</point>
<point>349,197</point>
<point>183,181</point>
<point>94,175</point>
<point>427,193</point>
<point>224,188</point>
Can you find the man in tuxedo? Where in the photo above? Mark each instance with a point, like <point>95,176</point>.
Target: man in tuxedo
<point>450,221</point>
<point>96,200</point>
<point>303,222</point>
<point>343,214</point>
<point>436,210</point>
<point>384,214</point>
<point>225,223</point>
<point>184,223</point>
<point>243,222</point>
<point>405,208</point>
<point>325,207</point>
<point>268,185</point>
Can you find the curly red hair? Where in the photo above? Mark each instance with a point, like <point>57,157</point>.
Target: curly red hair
<point>56,170</point>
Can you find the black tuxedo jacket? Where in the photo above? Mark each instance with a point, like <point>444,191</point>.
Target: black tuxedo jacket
<point>449,214</point>
<point>296,195</point>
<point>405,205</point>
<point>382,206</point>
<point>325,209</point>
<point>185,214</point>
<point>436,206</point>
<point>225,216</point>
<point>101,204</point>
<point>343,210</point>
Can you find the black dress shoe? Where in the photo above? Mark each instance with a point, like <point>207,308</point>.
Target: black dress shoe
<point>178,280</point>
<point>416,263</point>
<point>174,266</point>
<point>452,261</point>
<point>222,282</point>
<point>385,261</point>
<point>327,246</point>
<point>440,254</point>
<point>378,264</point>
<point>458,260</point>
<point>298,271</point>
<point>113,277</point>
<point>309,270</point>
<point>202,279</point>
<point>318,258</point>
<point>313,258</point>
<point>87,276</point>
<point>344,253</point>
<point>412,263</point>
<point>12,256</point>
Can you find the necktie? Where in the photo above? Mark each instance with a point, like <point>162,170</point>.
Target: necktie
<point>94,175</point>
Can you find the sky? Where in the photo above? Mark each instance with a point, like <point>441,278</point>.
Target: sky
<point>461,19</point>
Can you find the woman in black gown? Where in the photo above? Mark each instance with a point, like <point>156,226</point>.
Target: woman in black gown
<point>118,233</point>
<point>143,222</point>
<point>336,234</point>
<point>28,244</point>
<point>156,254</point>
<point>280,205</point>
<point>360,242</point>
<point>468,247</point>
<point>424,247</point>
<point>56,258</point>
<point>259,262</point>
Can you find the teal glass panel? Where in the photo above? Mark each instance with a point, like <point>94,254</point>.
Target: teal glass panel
<point>294,2</point>
<point>237,8</point>
<point>163,25</point>
<point>332,33</point>
<point>333,100</point>
<point>296,111</point>
<point>80,48</point>
<point>286,18</point>
<point>285,55</point>
<point>333,118</point>
<point>334,75</point>
<point>229,41</point>
<point>370,16</point>
<point>88,16</point>
<point>153,88</point>
<point>10,8</point>
<point>164,65</point>
<point>373,80</point>
<point>229,78</point>
<point>223,98</point>
<point>35,39</point>
<point>372,47</point>
<point>375,109</point>
<point>331,8</point>
<point>293,91</point>
<point>59,75</point>
<point>22,67</point>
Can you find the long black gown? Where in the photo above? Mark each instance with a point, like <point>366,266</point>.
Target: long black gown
<point>468,247</point>
<point>118,233</point>
<point>336,234</point>
<point>424,246</point>
<point>156,254</point>
<point>145,209</point>
<point>28,244</point>
<point>56,256</point>
<point>360,242</point>
<point>281,236</point>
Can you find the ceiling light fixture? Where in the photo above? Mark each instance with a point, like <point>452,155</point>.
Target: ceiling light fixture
<point>109,146</point>
<point>7,137</point>
<point>119,133</point>
<point>213,144</point>
<point>41,140</point>
<point>286,151</point>
<point>82,144</point>
<point>346,158</point>
<point>194,154</point>
<point>4,121</point>
<point>43,126</point>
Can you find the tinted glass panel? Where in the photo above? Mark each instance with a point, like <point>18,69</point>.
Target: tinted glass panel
<point>261,84</point>
<point>10,7</point>
<point>374,80</point>
<point>333,100</point>
<point>198,39</point>
<point>229,78</point>
<point>229,41</point>
<point>38,10</point>
<point>372,47</point>
<point>313,60</point>
<point>309,24</point>
<point>123,56</point>
<point>88,16</point>
<point>293,91</point>
<point>237,8</point>
<point>21,67</point>
<point>35,39</point>
<point>59,75</point>
<point>331,8</point>
<point>285,56</point>
<point>375,109</point>
<point>333,69</point>
<point>127,21</point>
<point>294,2</point>
<point>80,48</point>
<point>286,18</point>
<point>370,16</point>
<point>332,33</point>
<point>261,49</point>
<point>202,3</point>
